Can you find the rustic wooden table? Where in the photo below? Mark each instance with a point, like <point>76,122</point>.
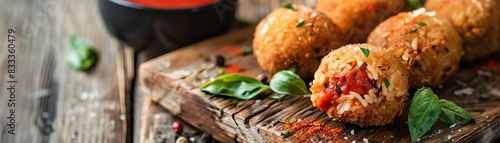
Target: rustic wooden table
<point>54,103</point>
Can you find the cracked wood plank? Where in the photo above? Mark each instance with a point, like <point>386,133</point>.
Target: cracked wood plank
<point>173,81</point>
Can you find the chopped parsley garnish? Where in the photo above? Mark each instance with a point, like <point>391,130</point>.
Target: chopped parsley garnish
<point>366,52</point>
<point>337,88</point>
<point>220,71</point>
<point>236,101</point>
<point>386,82</point>
<point>285,132</point>
<point>317,137</point>
<point>301,22</point>
<point>287,6</point>
<point>420,24</point>
<point>413,30</point>
<point>293,120</point>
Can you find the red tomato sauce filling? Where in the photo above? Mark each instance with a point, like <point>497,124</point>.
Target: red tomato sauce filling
<point>357,81</point>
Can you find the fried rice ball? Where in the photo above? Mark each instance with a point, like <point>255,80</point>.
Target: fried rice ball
<point>357,18</point>
<point>360,84</point>
<point>429,47</point>
<point>298,36</point>
<point>477,22</point>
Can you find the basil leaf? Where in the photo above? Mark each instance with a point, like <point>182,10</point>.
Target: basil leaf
<point>235,85</point>
<point>424,112</point>
<point>451,113</point>
<point>81,54</point>
<point>287,82</point>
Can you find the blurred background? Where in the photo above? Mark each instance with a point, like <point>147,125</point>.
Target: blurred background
<point>58,101</point>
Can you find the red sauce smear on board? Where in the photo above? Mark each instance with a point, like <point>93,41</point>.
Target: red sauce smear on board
<point>355,81</point>
<point>173,3</point>
<point>233,69</point>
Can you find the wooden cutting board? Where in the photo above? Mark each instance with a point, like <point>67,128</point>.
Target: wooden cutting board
<point>173,81</point>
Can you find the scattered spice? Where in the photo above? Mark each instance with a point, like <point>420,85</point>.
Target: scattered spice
<point>220,61</point>
<point>233,50</point>
<point>312,131</point>
<point>232,69</point>
<point>177,127</point>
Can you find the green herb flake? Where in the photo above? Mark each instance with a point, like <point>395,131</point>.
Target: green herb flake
<point>420,24</point>
<point>478,110</point>
<point>247,51</point>
<point>423,113</point>
<point>301,22</point>
<point>81,54</point>
<point>451,113</point>
<point>293,67</point>
<point>287,82</point>
<point>236,101</point>
<point>337,88</point>
<point>285,133</point>
<point>413,30</point>
<point>317,137</point>
<point>281,121</point>
<point>366,52</point>
<point>220,71</point>
<point>287,6</point>
<point>293,120</point>
<point>387,83</point>
<point>236,86</point>
<point>317,124</point>
<point>416,4</point>
<point>275,97</point>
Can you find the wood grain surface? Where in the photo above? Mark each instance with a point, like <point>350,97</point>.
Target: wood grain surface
<point>173,81</point>
<point>55,103</point>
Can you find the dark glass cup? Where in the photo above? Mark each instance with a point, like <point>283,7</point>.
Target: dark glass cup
<point>140,26</point>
